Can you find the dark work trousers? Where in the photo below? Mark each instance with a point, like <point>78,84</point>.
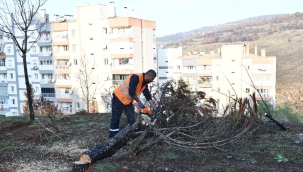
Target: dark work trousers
<point>117,108</point>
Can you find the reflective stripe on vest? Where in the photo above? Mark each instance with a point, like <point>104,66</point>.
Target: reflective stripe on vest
<point>123,90</point>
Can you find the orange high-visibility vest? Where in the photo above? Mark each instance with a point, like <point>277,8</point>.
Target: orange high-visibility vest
<point>122,91</point>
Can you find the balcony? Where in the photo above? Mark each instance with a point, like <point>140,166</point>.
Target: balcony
<point>61,53</point>
<point>46,81</point>
<point>265,96</point>
<point>117,82</point>
<point>121,36</point>
<point>3,80</point>
<point>43,42</point>
<point>46,69</point>
<point>48,94</point>
<point>204,71</point>
<point>207,83</point>
<point>189,71</point>
<point>60,40</point>
<point>63,84</point>
<point>3,93</point>
<point>123,67</point>
<point>35,68</point>
<point>62,67</point>
<point>45,54</point>
<point>67,109</point>
<point>2,67</point>
<point>4,106</point>
<point>63,96</point>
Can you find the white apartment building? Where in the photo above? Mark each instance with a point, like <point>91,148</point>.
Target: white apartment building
<point>227,73</point>
<point>12,81</point>
<point>120,45</point>
<point>168,64</point>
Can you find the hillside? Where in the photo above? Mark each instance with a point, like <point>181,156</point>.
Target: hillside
<point>199,31</point>
<point>281,37</point>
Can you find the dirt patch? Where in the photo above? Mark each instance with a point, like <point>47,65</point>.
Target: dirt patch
<point>25,146</point>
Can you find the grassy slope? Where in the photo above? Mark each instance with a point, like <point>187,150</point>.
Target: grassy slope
<point>25,146</point>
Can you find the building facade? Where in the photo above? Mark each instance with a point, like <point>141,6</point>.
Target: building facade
<point>232,71</point>
<point>119,46</point>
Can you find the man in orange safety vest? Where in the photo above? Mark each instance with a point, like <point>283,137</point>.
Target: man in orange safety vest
<point>125,94</point>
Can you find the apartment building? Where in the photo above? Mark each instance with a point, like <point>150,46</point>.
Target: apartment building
<point>119,45</point>
<point>168,64</point>
<point>12,81</point>
<point>231,71</point>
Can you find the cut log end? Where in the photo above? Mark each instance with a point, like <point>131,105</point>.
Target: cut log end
<point>81,166</point>
<point>85,158</point>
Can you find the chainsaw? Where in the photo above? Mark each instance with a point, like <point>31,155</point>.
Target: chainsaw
<point>147,114</point>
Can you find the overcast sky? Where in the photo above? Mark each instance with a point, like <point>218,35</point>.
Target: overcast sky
<point>174,16</point>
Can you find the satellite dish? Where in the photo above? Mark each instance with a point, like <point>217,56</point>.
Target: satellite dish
<point>53,80</point>
<point>70,92</point>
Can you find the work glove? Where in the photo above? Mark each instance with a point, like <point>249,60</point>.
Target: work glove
<point>141,105</point>
<point>154,109</point>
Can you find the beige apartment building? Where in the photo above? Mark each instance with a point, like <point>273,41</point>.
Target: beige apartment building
<point>119,46</point>
<point>231,71</point>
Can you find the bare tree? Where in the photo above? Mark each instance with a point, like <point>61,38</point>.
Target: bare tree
<point>22,16</point>
<point>88,81</point>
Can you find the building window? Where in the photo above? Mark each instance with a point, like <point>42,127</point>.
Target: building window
<point>232,60</point>
<point>92,54</point>
<point>1,36</point>
<point>75,62</point>
<point>91,38</point>
<point>65,48</point>
<point>13,101</point>
<point>67,90</point>
<point>49,49</point>
<point>218,89</point>
<point>34,49</point>
<point>41,50</point>
<point>8,50</point>
<point>178,67</point>
<point>77,104</point>
<point>217,78</point>
<point>247,67</point>
<point>73,32</point>
<point>90,24</point>
<point>104,30</point>
<point>105,61</point>
<point>37,90</point>
<point>232,72</point>
<point>74,47</point>
<point>232,83</point>
<point>36,76</point>
<point>12,75</point>
<point>247,90</point>
<point>12,88</point>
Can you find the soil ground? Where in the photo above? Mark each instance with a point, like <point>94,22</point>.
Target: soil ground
<point>26,146</point>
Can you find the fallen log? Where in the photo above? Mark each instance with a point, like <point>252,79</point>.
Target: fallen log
<point>104,150</point>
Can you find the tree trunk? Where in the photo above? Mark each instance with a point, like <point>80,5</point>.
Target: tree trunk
<point>28,88</point>
<point>109,147</point>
